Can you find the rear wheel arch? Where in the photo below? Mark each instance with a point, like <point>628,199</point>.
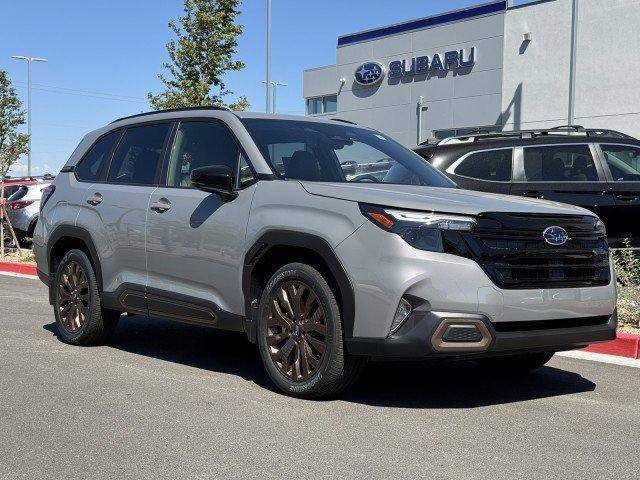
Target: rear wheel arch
<point>65,238</point>
<point>276,248</point>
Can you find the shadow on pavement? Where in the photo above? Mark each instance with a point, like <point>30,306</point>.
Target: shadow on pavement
<point>389,384</point>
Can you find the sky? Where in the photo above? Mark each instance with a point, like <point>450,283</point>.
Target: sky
<point>104,57</point>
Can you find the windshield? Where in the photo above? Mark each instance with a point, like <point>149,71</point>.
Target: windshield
<point>325,152</point>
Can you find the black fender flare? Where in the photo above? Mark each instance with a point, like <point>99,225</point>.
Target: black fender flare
<point>320,246</point>
<point>79,233</point>
<point>32,225</point>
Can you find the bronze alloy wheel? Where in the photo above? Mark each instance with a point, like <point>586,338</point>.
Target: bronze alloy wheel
<point>296,330</point>
<point>73,294</point>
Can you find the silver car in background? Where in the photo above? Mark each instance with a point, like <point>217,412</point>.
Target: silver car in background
<point>23,209</point>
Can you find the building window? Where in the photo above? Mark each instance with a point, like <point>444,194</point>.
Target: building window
<point>320,105</point>
<point>455,132</point>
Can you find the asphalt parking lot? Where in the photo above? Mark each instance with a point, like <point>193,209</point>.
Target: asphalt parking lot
<point>168,400</point>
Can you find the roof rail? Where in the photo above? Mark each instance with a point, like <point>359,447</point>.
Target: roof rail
<point>559,130</point>
<point>169,110</point>
<point>344,121</point>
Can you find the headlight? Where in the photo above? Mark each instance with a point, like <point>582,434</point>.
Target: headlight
<point>422,230</point>
<point>600,228</point>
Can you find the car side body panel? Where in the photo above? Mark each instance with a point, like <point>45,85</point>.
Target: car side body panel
<point>61,209</point>
<point>286,205</point>
<point>117,226</point>
<point>197,247</point>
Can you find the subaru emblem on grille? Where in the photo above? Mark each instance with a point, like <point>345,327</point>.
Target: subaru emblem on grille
<point>555,235</point>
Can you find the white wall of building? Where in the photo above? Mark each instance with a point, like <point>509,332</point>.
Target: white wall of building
<point>520,85</point>
<point>607,65</point>
<point>536,76</point>
<point>454,100</point>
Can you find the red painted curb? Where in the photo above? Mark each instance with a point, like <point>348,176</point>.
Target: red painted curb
<point>22,268</point>
<point>625,345</point>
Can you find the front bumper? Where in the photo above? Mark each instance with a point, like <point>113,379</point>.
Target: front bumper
<point>383,268</point>
<point>418,337</point>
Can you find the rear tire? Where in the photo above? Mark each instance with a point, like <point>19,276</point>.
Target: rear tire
<point>300,335</point>
<point>80,318</point>
<point>515,364</point>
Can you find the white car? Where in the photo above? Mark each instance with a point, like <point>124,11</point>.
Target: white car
<point>23,209</point>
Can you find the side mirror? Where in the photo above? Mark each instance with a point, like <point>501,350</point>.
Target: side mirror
<point>215,179</point>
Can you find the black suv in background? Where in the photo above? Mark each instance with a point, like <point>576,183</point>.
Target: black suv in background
<point>595,169</point>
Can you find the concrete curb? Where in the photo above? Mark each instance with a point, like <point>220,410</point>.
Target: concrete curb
<point>625,345</point>
<point>21,268</point>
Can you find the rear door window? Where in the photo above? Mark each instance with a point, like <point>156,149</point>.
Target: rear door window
<point>559,163</point>
<point>623,161</point>
<point>139,155</point>
<point>491,165</point>
<point>95,160</point>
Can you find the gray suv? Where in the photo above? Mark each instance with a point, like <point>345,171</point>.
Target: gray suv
<point>326,243</point>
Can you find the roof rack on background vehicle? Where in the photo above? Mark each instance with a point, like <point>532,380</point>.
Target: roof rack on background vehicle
<point>559,130</point>
<point>343,121</point>
<point>169,110</point>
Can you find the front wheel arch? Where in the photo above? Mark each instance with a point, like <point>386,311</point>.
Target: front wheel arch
<point>279,247</point>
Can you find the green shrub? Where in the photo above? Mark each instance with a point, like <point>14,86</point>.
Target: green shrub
<point>627,263</point>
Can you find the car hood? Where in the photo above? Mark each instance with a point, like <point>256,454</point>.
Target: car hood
<point>438,199</point>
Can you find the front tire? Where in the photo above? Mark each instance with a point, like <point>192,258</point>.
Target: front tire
<point>80,318</point>
<point>300,335</point>
<point>515,364</point>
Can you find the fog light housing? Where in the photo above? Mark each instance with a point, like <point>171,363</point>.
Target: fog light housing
<point>403,311</point>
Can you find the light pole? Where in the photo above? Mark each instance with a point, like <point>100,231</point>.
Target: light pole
<point>275,86</point>
<point>29,60</point>
<point>268,81</point>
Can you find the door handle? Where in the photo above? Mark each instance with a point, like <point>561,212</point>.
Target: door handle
<point>95,199</point>
<point>533,194</point>
<point>626,198</point>
<point>161,206</point>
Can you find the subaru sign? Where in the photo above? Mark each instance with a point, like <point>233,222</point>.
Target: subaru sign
<point>555,236</point>
<point>454,60</point>
<point>369,73</point>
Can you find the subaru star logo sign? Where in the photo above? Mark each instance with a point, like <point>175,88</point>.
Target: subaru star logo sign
<point>369,73</point>
<point>555,235</point>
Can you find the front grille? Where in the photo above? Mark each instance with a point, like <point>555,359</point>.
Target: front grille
<point>512,251</point>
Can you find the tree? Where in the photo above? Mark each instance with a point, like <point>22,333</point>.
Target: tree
<point>12,143</point>
<point>200,56</point>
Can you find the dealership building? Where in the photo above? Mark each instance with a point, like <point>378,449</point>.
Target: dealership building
<point>492,66</point>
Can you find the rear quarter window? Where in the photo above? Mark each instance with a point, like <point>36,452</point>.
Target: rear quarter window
<point>93,164</point>
<point>489,165</point>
